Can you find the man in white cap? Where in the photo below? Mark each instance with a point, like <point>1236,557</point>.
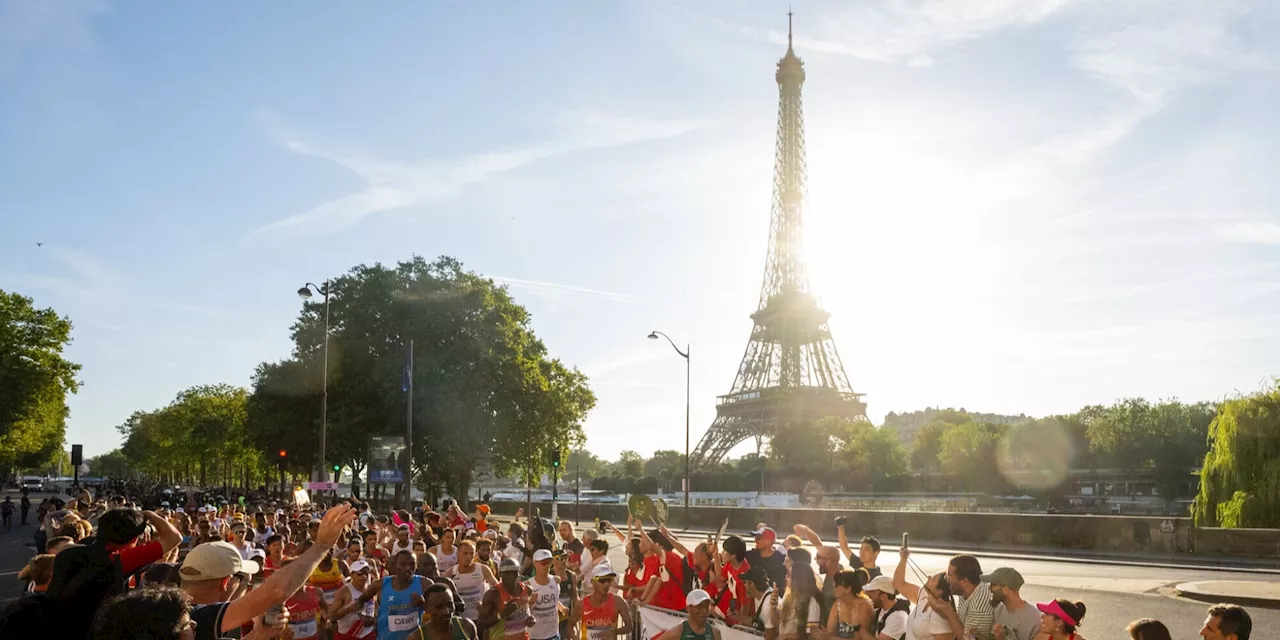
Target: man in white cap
<point>698,605</point>
<point>355,619</point>
<point>212,572</point>
<point>891,611</point>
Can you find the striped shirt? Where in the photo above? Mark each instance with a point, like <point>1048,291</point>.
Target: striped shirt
<point>976,612</point>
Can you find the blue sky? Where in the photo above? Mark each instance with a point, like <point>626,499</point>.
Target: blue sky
<point>1015,206</point>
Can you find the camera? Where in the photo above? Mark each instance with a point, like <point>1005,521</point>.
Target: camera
<point>841,520</point>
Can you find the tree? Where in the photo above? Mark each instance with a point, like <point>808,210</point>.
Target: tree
<point>484,387</point>
<point>1167,438</point>
<point>968,452</point>
<point>645,484</point>
<point>873,457</point>
<point>924,451</point>
<point>112,464</point>
<point>666,465</point>
<point>34,381</point>
<point>630,463</point>
<point>1240,477</point>
<point>806,450</point>
<point>200,436</point>
<point>590,466</point>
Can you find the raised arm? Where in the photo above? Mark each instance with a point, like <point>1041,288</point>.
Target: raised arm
<point>844,541</point>
<point>675,544</point>
<point>910,591</point>
<point>808,534</point>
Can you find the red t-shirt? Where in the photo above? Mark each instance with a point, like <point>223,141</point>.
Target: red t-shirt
<point>735,591</point>
<point>136,557</point>
<point>671,592</point>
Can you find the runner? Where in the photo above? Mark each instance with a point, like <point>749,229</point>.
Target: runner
<point>471,579</point>
<point>400,599</point>
<point>307,613</point>
<point>327,577</point>
<point>568,594</point>
<point>443,625</point>
<point>275,555</point>
<point>6,512</point>
<point>402,542</point>
<point>446,553</point>
<point>546,598</point>
<point>355,619</point>
<point>505,611</point>
<point>599,611</point>
<point>697,627</point>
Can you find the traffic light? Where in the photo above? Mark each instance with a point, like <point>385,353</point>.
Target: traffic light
<point>337,468</point>
<point>555,458</point>
<point>283,453</point>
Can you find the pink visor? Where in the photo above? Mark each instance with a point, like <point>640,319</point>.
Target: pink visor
<point>1053,609</point>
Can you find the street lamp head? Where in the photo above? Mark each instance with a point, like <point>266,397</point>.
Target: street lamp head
<point>653,335</point>
<point>304,293</point>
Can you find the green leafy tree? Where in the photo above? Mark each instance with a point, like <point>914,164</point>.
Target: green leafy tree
<point>968,452</point>
<point>484,387</point>
<point>1168,437</point>
<point>112,464</point>
<point>34,381</point>
<point>630,463</point>
<point>927,445</point>
<point>667,465</point>
<point>874,457</point>
<point>1240,478</point>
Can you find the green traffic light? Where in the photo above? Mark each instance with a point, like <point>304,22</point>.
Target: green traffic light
<point>337,467</point>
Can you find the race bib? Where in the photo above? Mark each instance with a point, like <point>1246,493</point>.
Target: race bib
<point>307,629</point>
<point>601,633</point>
<point>405,622</point>
<point>328,596</point>
<point>369,610</point>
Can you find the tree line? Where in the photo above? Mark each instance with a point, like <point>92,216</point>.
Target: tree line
<point>956,452</point>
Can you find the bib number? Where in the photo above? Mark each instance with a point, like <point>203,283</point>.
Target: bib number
<point>306,629</point>
<point>406,622</point>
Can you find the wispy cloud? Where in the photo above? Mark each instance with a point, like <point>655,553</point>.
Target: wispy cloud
<point>1099,208</point>
<point>1252,233</point>
<point>905,31</point>
<point>82,278</point>
<point>558,291</point>
<point>391,185</point>
<point>625,361</point>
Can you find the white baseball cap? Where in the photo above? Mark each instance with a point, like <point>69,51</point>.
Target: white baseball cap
<point>883,584</point>
<point>542,554</point>
<point>603,570</point>
<point>696,597</point>
<point>358,566</point>
<point>214,561</point>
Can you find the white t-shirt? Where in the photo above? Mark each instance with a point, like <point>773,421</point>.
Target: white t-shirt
<point>924,622</point>
<point>895,625</point>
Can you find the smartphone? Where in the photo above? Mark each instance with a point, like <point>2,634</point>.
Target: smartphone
<point>841,520</point>
<point>904,539</point>
<point>272,616</point>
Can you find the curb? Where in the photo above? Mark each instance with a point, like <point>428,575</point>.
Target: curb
<point>1216,598</point>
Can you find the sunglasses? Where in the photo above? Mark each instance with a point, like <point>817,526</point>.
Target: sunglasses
<point>604,579</point>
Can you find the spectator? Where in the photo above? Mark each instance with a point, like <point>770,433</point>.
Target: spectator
<point>1227,622</point>
<point>54,545</point>
<point>151,613</point>
<point>1015,619</point>
<point>1060,618</point>
<point>84,577</point>
<point>927,619</point>
<point>38,572</point>
<point>1148,629</point>
<point>892,612</point>
<point>974,615</point>
<point>766,557</point>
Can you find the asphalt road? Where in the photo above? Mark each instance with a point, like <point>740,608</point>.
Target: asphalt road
<point>1115,595</point>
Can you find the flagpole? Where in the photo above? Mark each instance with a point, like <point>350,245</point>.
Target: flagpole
<point>408,431</point>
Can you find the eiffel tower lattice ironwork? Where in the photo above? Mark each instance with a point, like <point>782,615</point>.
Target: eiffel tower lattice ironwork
<point>791,371</point>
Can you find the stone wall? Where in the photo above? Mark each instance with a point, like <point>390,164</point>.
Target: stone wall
<point>1134,534</point>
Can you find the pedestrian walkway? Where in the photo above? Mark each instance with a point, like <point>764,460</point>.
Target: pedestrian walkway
<point>1245,594</point>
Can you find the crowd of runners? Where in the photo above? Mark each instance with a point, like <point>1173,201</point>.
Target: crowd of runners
<point>118,567</point>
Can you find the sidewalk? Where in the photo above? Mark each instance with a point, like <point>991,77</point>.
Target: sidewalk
<point>1057,554</point>
<point>1245,594</point>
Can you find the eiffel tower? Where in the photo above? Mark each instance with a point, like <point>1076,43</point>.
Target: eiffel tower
<point>791,371</point>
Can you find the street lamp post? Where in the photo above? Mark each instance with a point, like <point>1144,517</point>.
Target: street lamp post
<point>683,354</point>
<point>305,294</point>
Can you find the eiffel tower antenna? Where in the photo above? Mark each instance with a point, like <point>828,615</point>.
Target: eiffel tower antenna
<point>791,371</point>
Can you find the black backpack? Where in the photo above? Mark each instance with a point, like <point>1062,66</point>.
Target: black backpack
<point>84,576</point>
<point>899,604</point>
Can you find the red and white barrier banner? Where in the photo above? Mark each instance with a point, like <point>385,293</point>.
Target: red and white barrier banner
<point>654,621</point>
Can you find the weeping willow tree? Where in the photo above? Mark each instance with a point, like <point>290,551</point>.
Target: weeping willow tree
<point>1240,479</point>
